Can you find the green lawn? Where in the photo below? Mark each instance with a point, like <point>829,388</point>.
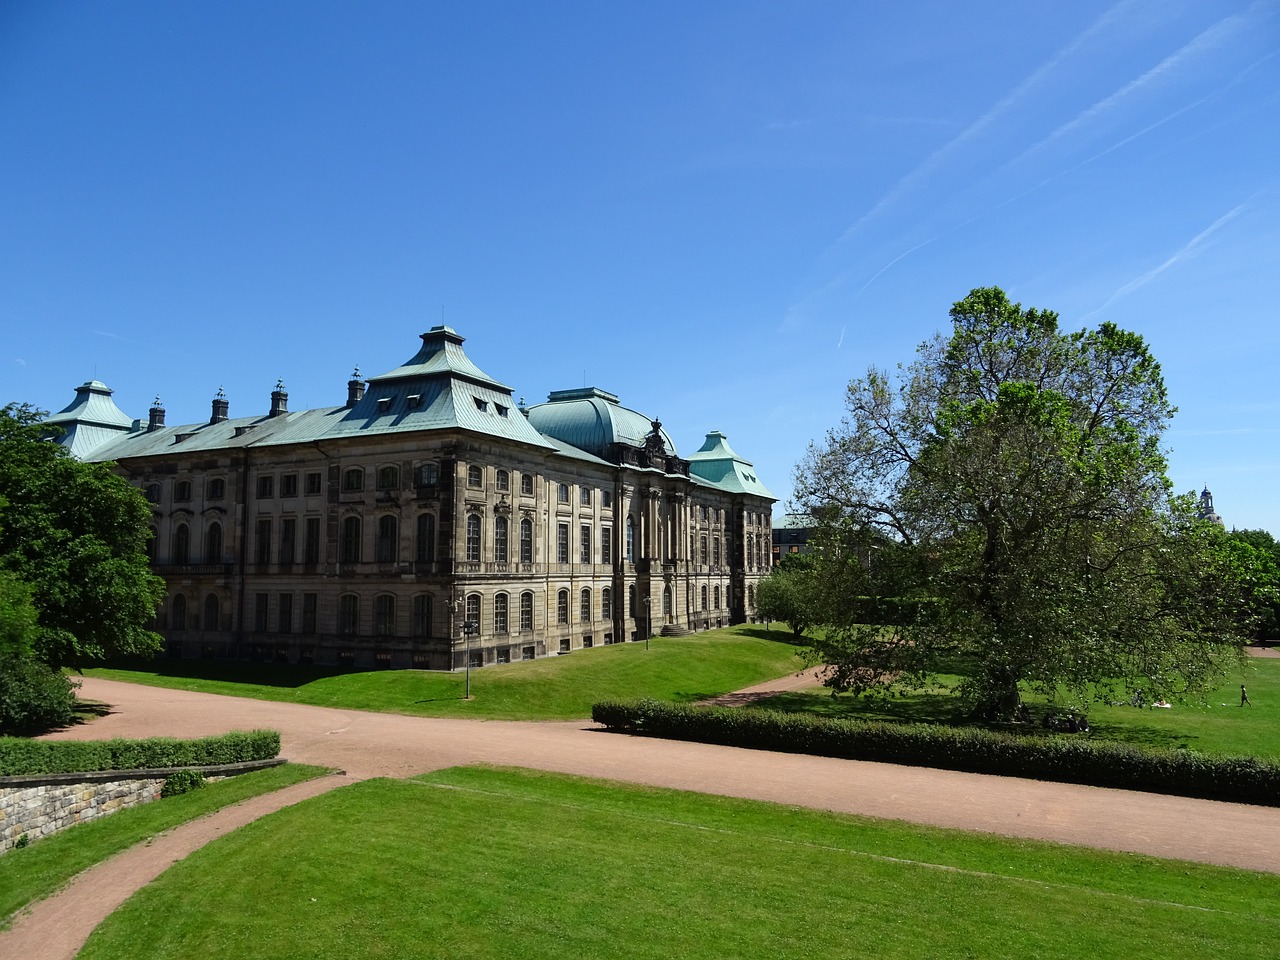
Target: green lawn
<point>553,688</point>
<point>497,863</point>
<point>33,872</point>
<point>1215,723</point>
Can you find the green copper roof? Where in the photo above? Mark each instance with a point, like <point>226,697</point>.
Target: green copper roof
<point>91,419</point>
<point>441,354</point>
<point>593,420</point>
<point>716,463</point>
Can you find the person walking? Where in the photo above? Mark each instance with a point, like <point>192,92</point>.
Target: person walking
<point>1244,696</point>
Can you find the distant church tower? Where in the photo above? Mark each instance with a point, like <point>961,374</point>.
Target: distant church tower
<point>1206,510</point>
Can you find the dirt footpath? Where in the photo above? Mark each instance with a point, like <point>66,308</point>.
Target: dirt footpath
<point>376,744</point>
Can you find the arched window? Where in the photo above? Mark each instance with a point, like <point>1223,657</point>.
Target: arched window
<point>475,476</point>
<point>212,612</point>
<point>562,606</point>
<point>666,601</point>
<point>500,539</point>
<point>751,551</point>
<point>181,544</point>
<point>182,490</point>
<point>473,539</point>
<point>606,604</point>
<point>388,538</point>
<point>500,613</point>
<point>704,596</point>
<point>384,615</point>
<point>526,541</point>
<point>213,544</point>
<point>715,552</point>
<point>702,550</point>
<point>526,611</point>
<point>473,608</point>
<point>422,615</point>
<point>348,614</point>
<point>426,546</point>
<point>751,596</point>
<point>631,601</point>
<point>350,547</point>
<point>353,480</point>
<point>502,480</point>
<point>179,617</point>
<point>562,493</point>
<point>217,489</point>
<point>388,478</point>
<point>631,539</point>
<point>584,606</point>
<point>717,596</point>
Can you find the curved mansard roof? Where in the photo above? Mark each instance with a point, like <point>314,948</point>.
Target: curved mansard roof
<point>716,463</point>
<point>91,419</point>
<point>592,419</point>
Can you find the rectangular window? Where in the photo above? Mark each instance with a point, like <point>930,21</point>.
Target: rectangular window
<point>263,541</point>
<point>260,602</point>
<point>584,496</point>
<point>284,613</point>
<point>348,614</point>
<point>422,616</point>
<point>289,485</point>
<point>526,611</point>
<point>312,548</point>
<point>313,484</point>
<point>309,613</point>
<point>562,493</point>
<point>606,544</point>
<point>288,535</point>
<point>562,543</point>
<point>584,545</point>
<point>606,499</point>
<point>384,615</point>
<point>526,653</point>
<point>526,485</point>
<point>428,474</point>
<point>475,476</point>
<point>564,644</point>
<point>266,485</point>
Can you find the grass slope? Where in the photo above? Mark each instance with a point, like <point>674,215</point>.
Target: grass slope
<point>1215,724</point>
<point>554,688</point>
<point>495,863</point>
<point>32,873</point>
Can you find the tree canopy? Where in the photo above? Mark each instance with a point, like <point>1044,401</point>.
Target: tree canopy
<point>1008,491</point>
<point>75,534</point>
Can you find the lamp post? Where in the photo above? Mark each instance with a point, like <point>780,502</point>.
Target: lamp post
<point>648,621</point>
<point>469,629</point>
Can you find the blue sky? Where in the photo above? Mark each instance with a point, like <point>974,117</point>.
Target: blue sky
<point>721,212</point>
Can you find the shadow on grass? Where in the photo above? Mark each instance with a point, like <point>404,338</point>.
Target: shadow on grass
<point>231,671</point>
<point>907,708</point>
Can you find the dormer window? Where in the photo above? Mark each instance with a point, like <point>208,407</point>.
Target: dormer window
<point>481,405</point>
<point>502,411</point>
<point>414,400</point>
<point>384,404</point>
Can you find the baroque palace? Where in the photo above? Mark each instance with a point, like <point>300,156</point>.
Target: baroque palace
<point>430,521</point>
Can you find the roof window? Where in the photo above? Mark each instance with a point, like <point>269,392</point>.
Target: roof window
<point>384,404</point>
<point>481,405</point>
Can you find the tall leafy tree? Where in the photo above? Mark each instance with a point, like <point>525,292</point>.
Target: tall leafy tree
<point>1018,473</point>
<point>76,534</point>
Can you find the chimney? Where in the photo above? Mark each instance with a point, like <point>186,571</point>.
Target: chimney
<point>279,400</point>
<point>355,388</point>
<point>220,407</point>
<point>155,419</point>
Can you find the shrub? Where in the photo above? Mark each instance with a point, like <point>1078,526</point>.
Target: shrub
<point>33,696</point>
<point>1067,759</point>
<point>19,756</point>
<point>183,781</point>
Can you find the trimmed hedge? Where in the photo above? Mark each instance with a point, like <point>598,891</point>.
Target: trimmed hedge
<point>1067,759</point>
<point>20,757</point>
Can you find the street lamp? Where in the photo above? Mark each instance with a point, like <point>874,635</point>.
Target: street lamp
<point>469,629</point>
<point>648,622</point>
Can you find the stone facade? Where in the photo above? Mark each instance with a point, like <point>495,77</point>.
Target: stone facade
<point>431,519</point>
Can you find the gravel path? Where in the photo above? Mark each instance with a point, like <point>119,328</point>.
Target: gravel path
<point>376,744</point>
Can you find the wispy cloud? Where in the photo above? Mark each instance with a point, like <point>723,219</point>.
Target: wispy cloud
<point>1188,249</point>
<point>1170,65</point>
<point>939,157</point>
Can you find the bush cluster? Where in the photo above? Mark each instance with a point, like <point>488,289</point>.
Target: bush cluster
<point>33,696</point>
<point>1068,759</point>
<point>19,757</point>
<point>183,781</point>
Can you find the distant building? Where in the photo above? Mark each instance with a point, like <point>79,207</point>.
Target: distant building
<point>370,533</point>
<point>1205,509</point>
<point>791,533</point>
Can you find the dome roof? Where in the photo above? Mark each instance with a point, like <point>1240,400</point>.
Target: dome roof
<point>591,419</point>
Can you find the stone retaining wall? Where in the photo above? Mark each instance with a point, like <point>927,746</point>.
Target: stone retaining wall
<point>36,806</point>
